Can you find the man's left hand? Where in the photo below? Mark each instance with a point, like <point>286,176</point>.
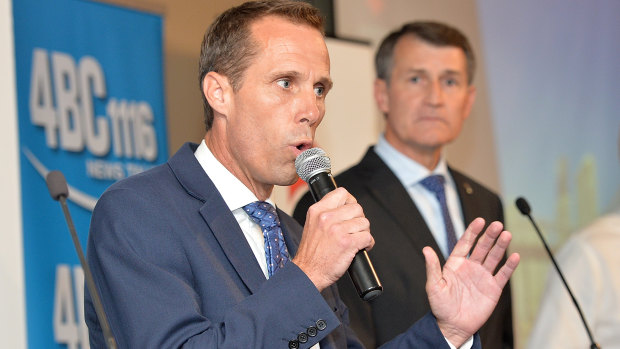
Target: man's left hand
<point>463,295</point>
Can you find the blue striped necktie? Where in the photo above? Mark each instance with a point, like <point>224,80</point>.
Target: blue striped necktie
<point>263,214</point>
<point>435,184</point>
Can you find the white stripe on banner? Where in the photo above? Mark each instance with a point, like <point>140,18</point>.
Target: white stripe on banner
<point>75,195</point>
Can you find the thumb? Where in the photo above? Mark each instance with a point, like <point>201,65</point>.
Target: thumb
<point>433,268</point>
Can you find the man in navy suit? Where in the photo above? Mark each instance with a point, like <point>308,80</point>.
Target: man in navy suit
<point>424,89</point>
<point>177,256</point>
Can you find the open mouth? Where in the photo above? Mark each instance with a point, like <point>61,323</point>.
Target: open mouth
<point>303,146</point>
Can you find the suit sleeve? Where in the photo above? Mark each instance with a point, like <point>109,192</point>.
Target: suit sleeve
<point>424,334</point>
<point>146,285</point>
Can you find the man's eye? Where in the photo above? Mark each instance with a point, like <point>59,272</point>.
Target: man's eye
<point>284,83</point>
<point>415,79</point>
<point>319,91</point>
<point>451,82</point>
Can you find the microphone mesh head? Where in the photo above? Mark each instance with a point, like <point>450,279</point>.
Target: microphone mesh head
<point>311,162</point>
<point>57,184</point>
<point>523,206</point>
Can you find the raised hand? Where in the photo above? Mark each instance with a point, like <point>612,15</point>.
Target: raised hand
<point>463,295</point>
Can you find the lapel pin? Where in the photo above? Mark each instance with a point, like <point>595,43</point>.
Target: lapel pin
<point>468,188</point>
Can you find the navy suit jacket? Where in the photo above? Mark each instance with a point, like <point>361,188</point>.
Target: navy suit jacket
<point>400,233</point>
<point>174,269</point>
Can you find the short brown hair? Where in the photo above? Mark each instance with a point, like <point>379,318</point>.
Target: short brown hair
<point>227,46</point>
<point>435,33</point>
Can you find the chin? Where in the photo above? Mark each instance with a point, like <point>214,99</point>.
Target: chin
<point>290,181</point>
<point>287,179</point>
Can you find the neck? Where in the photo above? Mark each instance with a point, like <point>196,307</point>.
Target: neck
<point>223,155</point>
<point>427,157</point>
<point>428,160</point>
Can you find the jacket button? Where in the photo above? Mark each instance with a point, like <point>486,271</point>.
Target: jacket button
<point>302,337</point>
<point>312,331</point>
<point>321,325</point>
<point>293,344</point>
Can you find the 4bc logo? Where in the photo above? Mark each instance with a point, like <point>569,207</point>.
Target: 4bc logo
<point>69,323</point>
<point>62,102</point>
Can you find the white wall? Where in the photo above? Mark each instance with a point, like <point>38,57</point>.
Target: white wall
<point>12,308</point>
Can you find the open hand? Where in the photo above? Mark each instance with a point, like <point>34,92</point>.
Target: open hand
<point>463,295</point>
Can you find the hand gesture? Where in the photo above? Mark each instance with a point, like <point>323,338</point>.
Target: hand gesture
<point>463,295</point>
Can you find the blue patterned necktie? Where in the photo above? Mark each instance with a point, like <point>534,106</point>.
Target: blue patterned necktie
<point>435,184</point>
<point>266,217</point>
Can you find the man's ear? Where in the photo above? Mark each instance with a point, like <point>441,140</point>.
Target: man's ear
<point>469,103</point>
<point>381,96</point>
<point>217,91</point>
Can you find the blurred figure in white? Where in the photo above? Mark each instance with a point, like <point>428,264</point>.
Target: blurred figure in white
<point>590,262</point>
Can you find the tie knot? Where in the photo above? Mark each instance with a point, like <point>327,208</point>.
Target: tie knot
<point>434,183</point>
<point>262,213</point>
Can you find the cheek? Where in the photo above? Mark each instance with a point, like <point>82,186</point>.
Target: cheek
<point>405,102</point>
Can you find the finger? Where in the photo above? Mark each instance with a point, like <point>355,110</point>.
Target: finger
<point>463,246</point>
<point>497,252</point>
<point>358,230</point>
<point>343,196</point>
<point>342,214</point>
<point>332,211</point>
<point>352,226</point>
<point>335,198</point>
<point>486,242</point>
<point>368,241</point>
<point>433,268</point>
<point>504,274</point>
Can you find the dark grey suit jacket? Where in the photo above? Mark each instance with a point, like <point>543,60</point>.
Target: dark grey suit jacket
<point>400,233</point>
<point>174,270</point>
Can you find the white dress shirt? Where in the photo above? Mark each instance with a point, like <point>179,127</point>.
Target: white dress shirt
<point>236,195</point>
<point>410,173</point>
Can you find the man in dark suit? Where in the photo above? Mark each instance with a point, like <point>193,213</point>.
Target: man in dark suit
<point>193,254</point>
<point>424,89</point>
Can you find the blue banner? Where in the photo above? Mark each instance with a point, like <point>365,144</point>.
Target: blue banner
<point>91,104</point>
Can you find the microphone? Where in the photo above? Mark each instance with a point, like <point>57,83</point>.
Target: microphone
<point>314,167</point>
<point>524,207</point>
<point>57,186</point>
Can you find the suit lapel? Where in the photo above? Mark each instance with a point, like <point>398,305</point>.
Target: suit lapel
<point>389,193</point>
<point>467,196</point>
<point>234,244</point>
<point>217,216</point>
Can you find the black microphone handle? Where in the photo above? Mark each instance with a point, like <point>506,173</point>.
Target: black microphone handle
<point>593,344</point>
<point>361,270</point>
<point>90,283</point>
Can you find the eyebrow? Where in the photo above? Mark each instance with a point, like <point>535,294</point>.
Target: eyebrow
<point>453,72</point>
<point>326,81</point>
<point>444,72</point>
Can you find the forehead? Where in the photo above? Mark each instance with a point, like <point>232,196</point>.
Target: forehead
<point>279,38</point>
<point>411,52</point>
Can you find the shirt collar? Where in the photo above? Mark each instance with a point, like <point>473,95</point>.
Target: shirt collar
<point>408,171</point>
<point>233,191</point>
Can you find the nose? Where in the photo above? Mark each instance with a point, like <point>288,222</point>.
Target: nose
<point>434,94</point>
<point>309,107</point>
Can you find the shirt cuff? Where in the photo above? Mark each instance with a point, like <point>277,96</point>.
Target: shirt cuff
<point>467,345</point>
